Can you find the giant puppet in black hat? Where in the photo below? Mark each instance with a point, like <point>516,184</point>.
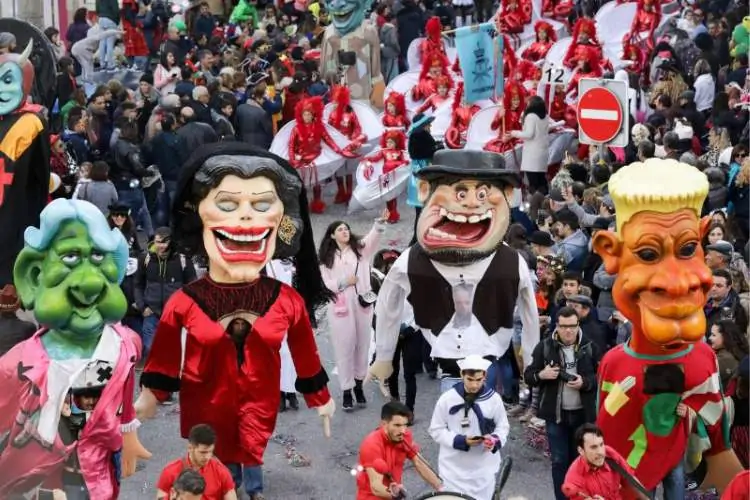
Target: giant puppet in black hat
<point>460,278</point>
<point>240,207</point>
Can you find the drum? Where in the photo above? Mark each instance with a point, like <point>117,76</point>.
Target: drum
<point>446,495</point>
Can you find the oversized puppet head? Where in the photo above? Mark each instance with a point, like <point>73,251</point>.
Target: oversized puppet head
<point>241,207</point>
<point>662,280</point>
<point>544,32</point>
<point>393,139</point>
<point>69,271</point>
<point>466,209</point>
<point>16,80</point>
<point>347,15</point>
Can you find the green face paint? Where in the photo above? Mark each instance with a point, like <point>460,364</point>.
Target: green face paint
<point>74,286</point>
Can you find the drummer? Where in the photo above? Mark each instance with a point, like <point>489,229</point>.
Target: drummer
<point>382,455</point>
<point>470,425</point>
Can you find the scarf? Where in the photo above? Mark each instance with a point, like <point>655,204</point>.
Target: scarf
<point>486,425</point>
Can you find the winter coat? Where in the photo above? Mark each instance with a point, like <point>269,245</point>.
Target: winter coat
<point>254,125</point>
<point>127,164</point>
<point>100,193</point>
<point>157,279</point>
<point>167,151</point>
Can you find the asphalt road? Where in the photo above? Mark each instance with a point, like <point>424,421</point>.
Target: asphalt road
<point>328,477</point>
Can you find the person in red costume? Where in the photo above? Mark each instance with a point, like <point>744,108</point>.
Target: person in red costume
<point>545,39</point>
<point>634,54</point>
<point>646,20</point>
<point>587,66</point>
<point>240,207</point>
<point>528,73</point>
<point>562,111</point>
<point>455,136</point>
<point>509,117</point>
<point>344,119</point>
<point>557,9</point>
<point>395,115</point>
<point>513,16</point>
<point>434,66</point>
<point>306,143</point>
<point>442,94</point>
<point>510,59</point>
<point>660,398</point>
<point>433,42</point>
<point>584,34</point>
<point>393,155</point>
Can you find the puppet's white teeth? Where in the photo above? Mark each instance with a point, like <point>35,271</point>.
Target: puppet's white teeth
<point>437,233</point>
<point>443,212</point>
<point>486,215</point>
<point>474,219</point>
<point>243,237</point>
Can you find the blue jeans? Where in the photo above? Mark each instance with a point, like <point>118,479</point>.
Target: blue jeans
<point>135,199</point>
<point>147,333</point>
<point>562,446</point>
<point>673,484</point>
<point>249,477</point>
<point>107,45</point>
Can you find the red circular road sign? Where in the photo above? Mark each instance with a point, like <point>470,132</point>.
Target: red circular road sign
<point>599,114</point>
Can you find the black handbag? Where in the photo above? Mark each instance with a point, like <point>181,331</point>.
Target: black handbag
<point>366,299</point>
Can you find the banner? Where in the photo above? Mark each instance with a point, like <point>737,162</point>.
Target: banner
<point>476,55</point>
<point>499,67</point>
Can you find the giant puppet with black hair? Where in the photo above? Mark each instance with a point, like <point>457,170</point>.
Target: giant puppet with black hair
<point>240,207</point>
<point>462,281</point>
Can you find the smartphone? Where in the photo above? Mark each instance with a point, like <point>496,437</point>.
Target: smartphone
<point>476,438</point>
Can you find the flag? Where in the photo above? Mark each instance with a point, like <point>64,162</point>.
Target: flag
<point>499,68</point>
<point>476,56</point>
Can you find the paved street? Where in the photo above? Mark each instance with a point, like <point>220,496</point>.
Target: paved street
<point>329,477</point>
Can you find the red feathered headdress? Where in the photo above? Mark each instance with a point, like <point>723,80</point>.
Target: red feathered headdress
<point>434,59</point>
<point>588,26</point>
<point>632,52</point>
<point>398,100</point>
<point>542,25</point>
<point>514,89</point>
<point>433,28</point>
<point>527,71</point>
<point>343,100</point>
<point>509,56</point>
<point>395,135</point>
<point>313,105</point>
<point>458,96</point>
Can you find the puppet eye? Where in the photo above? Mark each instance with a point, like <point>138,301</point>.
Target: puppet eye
<point>482,194</point>
<point>461,195</point>
<point>648,255</point>
<point>97,257</point>
<point>70,259</point>
<point>262,206</point>
<point>227,205</point>
<point>688,249</point>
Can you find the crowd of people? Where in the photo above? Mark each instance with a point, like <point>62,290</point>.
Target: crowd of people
<point>242,77</point>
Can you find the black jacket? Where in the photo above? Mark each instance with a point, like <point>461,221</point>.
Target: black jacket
<point>195,135</point>
<point>127,164</point>
<point>549,351</point>
<point>156,279</point>
<point>167,151</point>
<point>254,125</point>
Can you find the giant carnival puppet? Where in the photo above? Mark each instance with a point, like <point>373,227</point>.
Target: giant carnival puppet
<point>660,393</point>
<point>66,409</point>
<point>240,207</point>
<point>351,48</point>
<point>24,158</point>
<point>461,280</point>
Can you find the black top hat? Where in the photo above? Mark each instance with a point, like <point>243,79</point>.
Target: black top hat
<point>420,121</point>
<point>119,207</point>
<point>470,164</point>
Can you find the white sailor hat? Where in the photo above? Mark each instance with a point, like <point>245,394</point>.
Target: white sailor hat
<point>474,362</point>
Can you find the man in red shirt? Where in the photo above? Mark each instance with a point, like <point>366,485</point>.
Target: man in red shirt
<point>382,455</point>
<point>592,475</point>
<point>200,457</point>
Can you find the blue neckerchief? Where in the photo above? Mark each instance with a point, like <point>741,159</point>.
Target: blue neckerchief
<point>486,425</point>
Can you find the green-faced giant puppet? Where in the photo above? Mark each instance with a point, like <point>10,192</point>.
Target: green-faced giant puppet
<point>67,398</point>
<point>461,280</point>
<point>351,45</point>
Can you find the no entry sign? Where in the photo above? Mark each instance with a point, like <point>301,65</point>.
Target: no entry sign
<point>601,112</point>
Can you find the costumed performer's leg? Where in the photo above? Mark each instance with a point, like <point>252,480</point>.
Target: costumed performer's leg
<point>340,190</point>
<point>393,215</point>
<point>317,206</point>
<point>349,186</point>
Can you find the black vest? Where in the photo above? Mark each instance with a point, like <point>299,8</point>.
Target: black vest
<point>495,296</point>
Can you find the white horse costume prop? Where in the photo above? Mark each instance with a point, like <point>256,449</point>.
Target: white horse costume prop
<point>373,193</point>
<point>325,165</point>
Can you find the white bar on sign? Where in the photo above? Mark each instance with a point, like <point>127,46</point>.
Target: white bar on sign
<point>599,114</point>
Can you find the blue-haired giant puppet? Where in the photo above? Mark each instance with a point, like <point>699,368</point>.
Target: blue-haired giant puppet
<point>66,408</point>
<point>24,157</point>
<point>350,32</point>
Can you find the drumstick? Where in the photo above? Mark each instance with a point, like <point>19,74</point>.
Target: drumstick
<point>327,426</point>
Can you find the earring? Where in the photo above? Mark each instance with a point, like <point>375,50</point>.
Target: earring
<point>287,230</point>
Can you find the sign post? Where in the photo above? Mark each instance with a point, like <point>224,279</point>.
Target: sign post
<point>603,117</point>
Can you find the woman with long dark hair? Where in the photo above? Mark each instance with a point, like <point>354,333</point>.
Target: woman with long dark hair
<point>535,137</point>
<point>345,265</point>
<point>730,346</point>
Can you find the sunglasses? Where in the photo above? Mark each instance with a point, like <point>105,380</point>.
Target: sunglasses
<point>120,214</point>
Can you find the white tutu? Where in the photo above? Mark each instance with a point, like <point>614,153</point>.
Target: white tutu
<point>373,193</point>
<point>369,121</point>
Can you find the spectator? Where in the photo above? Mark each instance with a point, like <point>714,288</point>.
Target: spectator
<point>167,74</point>
<point>254,124</point>
<point>593,329</point>
<point>75,136</point>
<point>730,345</point>
<point>572,242</point>
<point>724,303</point>
<point>189,485</point>
<point>193,132</point>
<point>99,190</point>
<point>14,329</point>
<point>167,150</point>
<point>108,12</point>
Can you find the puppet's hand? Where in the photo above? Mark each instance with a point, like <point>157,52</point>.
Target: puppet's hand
<point>380,370</point>
<point>132,450</point>
<point>59,495</point>
<point>145,405</point>
<point>376,97</point>
<point>326,413</point>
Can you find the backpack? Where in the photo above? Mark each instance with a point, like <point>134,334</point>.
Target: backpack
<point>147,259</point>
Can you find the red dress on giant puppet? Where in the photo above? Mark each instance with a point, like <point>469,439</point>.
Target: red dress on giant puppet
<point>514,103</point>
<point>646,21</point>
<point>344,119</point>
<point>545,39</point>
<point>219,338</point>
<point>443,85</point>
<point>395,115</point>
<point>434,66</point>
<point>584,34</point>
<point>392,153</point>
<point>306,143</point>
<point>513,16</point>
<point>587,66</point>
<point>455,136</point>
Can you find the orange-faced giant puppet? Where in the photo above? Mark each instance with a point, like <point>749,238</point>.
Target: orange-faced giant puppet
<point>460,279</point>
<point>660,393</point>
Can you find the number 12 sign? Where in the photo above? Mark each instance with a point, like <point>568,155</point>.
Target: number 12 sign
<point>553,75</point>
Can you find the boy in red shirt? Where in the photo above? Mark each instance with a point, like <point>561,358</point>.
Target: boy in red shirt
<point>200,457</point>
<point>383,452</point>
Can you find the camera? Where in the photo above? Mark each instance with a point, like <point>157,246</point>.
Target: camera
<point>567,377</point>
<point>347,58</point>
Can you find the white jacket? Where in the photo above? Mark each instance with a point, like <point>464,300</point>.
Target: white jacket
<point>705,91</point>
<point>535,137</point>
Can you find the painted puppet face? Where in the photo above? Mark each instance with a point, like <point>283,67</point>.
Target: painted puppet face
<point>75,286</point>
<point>240,221</point>
<point>662,281</point>
<point>11,87</point>
<point>463,221</point>
<point>347,14</point>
